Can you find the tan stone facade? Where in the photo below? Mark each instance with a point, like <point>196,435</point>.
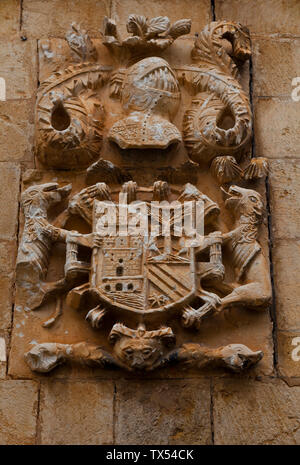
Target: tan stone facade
<point>77,406</point>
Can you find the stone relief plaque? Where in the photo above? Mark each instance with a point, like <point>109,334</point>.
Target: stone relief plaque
<point>141,244</point>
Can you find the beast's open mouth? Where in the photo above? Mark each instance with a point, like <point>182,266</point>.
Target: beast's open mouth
<point>232,193</point>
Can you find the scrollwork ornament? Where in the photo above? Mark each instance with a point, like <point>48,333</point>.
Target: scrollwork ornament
<point>141,288</point>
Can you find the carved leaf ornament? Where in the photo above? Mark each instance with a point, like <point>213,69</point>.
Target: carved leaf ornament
<point>144,285</point>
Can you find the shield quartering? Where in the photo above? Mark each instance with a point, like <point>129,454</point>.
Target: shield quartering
<point>142,273</point>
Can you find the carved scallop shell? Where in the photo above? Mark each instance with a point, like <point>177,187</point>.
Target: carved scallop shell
<point>225,169</point>
<point>257,168</point>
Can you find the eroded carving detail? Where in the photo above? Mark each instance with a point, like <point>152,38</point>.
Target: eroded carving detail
<point>69,113</point>
<point>140,286</point>
<point>151,97</point>
<point>141,354</point>
<point>155,279</point>
<point>251,271</point>
<point>148,88</point>
<point>149,37</point>
<point>36,242</point>
<point>219,120</point>
<point>147,275</point>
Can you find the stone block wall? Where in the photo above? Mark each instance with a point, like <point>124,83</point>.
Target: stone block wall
<point>222,409</point>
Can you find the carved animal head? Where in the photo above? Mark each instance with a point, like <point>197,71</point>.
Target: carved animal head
<point>239,37</point>
<point>44,357</point>
<point>140,349</point>
<point>246,202</point>
<point>233,38</point>
<point>238,357</point>
<point>43,196</point>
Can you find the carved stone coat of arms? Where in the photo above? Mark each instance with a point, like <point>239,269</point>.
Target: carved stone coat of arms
<point>140,240</point>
